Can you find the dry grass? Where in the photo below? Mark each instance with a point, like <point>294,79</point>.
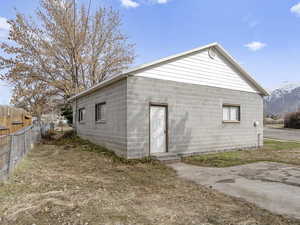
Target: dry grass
<point>278,126</point>
<point>73,182</point>
<point>273,151</point>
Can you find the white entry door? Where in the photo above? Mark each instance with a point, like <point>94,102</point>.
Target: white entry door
<point>158,129</point>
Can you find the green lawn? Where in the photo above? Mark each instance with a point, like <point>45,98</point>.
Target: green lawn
<point>273,151</point>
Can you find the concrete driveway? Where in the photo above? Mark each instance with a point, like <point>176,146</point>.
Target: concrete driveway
<point>282,134</point>
<point>272,186</point>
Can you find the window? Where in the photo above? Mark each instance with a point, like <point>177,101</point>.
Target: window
<point>81,113</point>
<point>231,113</point>
<point>100,111</point>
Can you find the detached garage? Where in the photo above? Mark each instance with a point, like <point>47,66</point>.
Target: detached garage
<point>195,102</point>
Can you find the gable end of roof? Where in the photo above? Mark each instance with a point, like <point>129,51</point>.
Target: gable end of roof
<point>146,66</point>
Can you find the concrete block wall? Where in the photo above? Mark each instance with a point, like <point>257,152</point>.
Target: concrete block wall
<point>111,133</point>
<point>194,117</point>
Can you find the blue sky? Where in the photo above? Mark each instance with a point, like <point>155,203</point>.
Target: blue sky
<point>264,36</point>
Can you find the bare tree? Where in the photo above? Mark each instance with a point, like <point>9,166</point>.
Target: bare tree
<point>33,97</point>
<point>69,49</point>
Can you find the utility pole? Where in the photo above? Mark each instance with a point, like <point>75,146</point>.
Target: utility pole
<point>76,72</point>
<point>75,56</point>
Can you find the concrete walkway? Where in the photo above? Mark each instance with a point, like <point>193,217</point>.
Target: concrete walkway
<point>272,186</point>
<point>282,134</point>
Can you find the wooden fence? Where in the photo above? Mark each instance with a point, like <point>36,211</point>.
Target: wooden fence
<point>13,119</point>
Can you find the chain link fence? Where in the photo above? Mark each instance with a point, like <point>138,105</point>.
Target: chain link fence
<point>14,147</point>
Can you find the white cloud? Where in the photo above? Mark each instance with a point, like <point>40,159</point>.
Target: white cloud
<point>157,1</point>
<point>135,3</point>
<point>130,3</point>
<point>162,1</point>
<point>4,28</point>
<point>255,46</point>
<point>3,24</point>
<point>296,9</point>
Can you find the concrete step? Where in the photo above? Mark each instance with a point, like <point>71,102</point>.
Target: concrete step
<point>167,157</point>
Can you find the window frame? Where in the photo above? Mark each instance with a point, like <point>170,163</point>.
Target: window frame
<point>101,118</point>
<point>81,112</point>
<point>231,106</point>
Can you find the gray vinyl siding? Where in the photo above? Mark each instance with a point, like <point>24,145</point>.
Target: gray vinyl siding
<point>111,133</point>
<point>194,117</point>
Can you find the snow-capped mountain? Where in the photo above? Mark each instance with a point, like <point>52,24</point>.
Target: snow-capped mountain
<point>283,99</point>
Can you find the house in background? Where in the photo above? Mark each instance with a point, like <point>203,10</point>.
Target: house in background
<point>13,119</point>
<point>195,102</point>
<point>53,117</point>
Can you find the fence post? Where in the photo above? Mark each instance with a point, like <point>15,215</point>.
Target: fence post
<point>30,138</point>
<point>15,146</point>
<point>25,146</point>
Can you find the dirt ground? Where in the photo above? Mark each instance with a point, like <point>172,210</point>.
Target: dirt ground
<point>72,183</point>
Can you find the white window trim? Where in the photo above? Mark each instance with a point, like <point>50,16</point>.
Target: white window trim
<point>81,110</point>
<point>100,120</point>
<point>231,106</point>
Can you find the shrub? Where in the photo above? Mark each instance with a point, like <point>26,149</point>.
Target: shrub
<point>67,112</point>
<point>292,120</point>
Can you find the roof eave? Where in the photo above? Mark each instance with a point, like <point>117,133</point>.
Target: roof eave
<point>242,70</point>
<point>98,86</point>
<point>166,59</point>
<point>261,90</point>
<point>134,70</point>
